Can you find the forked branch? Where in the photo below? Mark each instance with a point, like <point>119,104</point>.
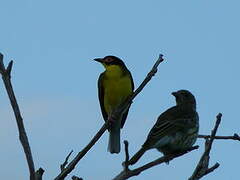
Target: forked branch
<point>202,168</point>
<point>6,76</point>
<point>127,173</point>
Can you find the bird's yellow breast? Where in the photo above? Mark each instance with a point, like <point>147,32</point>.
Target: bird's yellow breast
<point>117,87</point>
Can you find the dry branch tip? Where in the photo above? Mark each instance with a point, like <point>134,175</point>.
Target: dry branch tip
<point>125,163</point>
<point>202,167</point>
<point>76,178</point>
<point>9,68</point>
<point>39,174</point>
<point>62,166</point>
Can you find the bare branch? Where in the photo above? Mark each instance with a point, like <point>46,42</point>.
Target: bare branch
<point>234,137</point>
<point>76,178</point>
<point>211,169</point>
<point>129,173</point>
<point>118,111</point>
<point>202,166</point>
<point>9,68</point>
<point>2,67</point>
<point>125,164</point>
<point>62,166</point>
<point>6,76</point>
<point>39,174</point>
<point>81,154</point>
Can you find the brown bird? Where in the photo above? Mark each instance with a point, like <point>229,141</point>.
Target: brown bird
<point>175,130</point>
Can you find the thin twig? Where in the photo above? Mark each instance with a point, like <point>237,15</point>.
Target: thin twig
<point>76,178</point>
<point>63,165</point>
<point>234,137</point>
<point>116,113</point>
<point>127,174</point>
<point>81,154</point>
<point>203,164</point>
<point>211,169</point>
<point>125,164</point>
<point>6,76</point>
<point>39,174</point>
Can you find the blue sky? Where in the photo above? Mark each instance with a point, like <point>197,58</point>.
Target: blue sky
<point>53,43</point>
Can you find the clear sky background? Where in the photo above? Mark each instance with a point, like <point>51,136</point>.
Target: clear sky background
<point>53,43</point>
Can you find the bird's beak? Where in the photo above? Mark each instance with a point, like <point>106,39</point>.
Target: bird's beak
<point>174,94</point>
<point>98,60</point>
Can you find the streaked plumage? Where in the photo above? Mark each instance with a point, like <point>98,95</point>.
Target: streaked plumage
<point>115,84</point>
<point>175,130</point>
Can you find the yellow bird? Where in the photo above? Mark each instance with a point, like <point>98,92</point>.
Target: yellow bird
<point>115,85</point>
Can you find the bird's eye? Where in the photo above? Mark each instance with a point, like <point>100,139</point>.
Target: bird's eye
<point>108,60</point>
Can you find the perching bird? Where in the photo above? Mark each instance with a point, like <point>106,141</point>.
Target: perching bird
<point>115,85</point>
<point>175,130</point>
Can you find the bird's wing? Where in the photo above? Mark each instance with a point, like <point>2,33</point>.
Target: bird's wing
<point>101,96</point>
<point>124,116</point>
<point>172,120</point>
<point>131,80</point>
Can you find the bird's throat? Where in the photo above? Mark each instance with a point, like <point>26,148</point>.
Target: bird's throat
<point>113,71</point>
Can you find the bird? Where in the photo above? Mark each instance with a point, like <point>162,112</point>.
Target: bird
<point>176,129</point>
<point>115,85</point>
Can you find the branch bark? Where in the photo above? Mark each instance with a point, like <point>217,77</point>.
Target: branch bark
<point>234,137</point>
<point>118,111</point>
<point>81,154</point>
<point>127,173</point>
<point>63,165</point>
<point>76,178</point>
<point>6,77</point>
<point>125,164</point>
<point>202,168</point>
<point>39,174</point>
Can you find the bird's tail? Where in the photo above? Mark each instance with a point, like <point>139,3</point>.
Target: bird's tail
<point>114,140</point>
<point>137,156</point>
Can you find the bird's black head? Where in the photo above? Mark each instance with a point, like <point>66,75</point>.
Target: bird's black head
<point>110,60</point>
<point>184,97</point>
